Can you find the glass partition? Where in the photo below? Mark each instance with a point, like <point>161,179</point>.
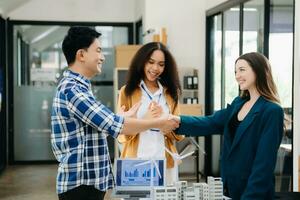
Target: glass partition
<point>38,65</point>
<point>253,26</point>
<point>217,79</point>
<point>281,40</point>
<point>231,52</point>
<point>217,59</point>
<point>246,27</point>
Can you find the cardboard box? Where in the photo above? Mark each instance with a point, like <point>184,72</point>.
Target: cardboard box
<point>191,109</point>
<point>124,55</point>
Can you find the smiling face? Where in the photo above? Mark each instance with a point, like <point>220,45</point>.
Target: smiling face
<point>154,67</point>
<point>93,58</point>
<point>244,75</point>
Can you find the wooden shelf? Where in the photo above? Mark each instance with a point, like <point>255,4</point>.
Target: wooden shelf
<point>191,109</point>
<point>124,55</point>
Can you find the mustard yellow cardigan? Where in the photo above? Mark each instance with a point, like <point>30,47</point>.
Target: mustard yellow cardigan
<point>130,143</point>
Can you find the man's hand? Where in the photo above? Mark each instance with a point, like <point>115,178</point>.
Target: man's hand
<point>169,123</point>
<point>131,112</point>
<point>154,111</point>
<point>175,117</point>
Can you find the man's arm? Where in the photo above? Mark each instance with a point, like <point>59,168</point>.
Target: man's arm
<point>133,126</point>
<point>87,109</point>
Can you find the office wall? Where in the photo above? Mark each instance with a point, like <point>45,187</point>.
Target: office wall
<point>139,9</point>
<point>185,24</point>
<point>76,10</point>
<point>213,3</point>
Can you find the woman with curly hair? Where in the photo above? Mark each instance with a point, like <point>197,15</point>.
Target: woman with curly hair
<point>152,80</point>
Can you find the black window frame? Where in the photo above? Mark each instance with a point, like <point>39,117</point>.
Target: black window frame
<point>209,71</point>
<point>10,70</point>
<point>3,134</point>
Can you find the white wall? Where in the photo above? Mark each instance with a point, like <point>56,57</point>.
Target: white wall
<point>139,9</point>
<point>296,111</point>
<point>212,3</point>
<point>7,6</point>
<point>76,10</point>
<point>185,25</point>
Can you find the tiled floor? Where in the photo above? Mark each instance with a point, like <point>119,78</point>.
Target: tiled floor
<point>22,182</point>
<point>29,182</point>
<point>32,182</point>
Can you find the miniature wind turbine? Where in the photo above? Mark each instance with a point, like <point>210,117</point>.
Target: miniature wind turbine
<point>193,141</point>
<point>176,156</point>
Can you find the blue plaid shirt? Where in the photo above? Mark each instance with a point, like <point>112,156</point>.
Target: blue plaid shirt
<point>80,126</point>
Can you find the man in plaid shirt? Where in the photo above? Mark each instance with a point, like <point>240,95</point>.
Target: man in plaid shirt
<point>80,124</point>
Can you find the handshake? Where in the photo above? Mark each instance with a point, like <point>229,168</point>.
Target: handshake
<point>163,121</point>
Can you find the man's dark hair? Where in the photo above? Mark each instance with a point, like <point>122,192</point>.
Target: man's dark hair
<point>78,37</point>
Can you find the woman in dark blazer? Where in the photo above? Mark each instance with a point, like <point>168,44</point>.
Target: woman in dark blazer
<point>252,127</point>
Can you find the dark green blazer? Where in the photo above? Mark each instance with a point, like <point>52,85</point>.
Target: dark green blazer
<point>248,162</point>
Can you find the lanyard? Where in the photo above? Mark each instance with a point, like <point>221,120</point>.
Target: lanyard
<point>151,98</point>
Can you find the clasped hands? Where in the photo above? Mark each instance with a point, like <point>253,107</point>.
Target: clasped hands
<point>167,122</point>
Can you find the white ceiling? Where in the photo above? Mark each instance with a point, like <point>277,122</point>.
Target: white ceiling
<point>41,37</point>
<point>7,6</point>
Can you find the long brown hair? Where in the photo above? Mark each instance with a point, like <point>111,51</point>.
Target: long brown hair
<point>265,84</point>
<point>169,78</point>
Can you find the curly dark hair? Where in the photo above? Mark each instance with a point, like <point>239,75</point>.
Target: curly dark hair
<point>169,78</point>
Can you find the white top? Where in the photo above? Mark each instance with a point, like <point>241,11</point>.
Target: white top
<point>151,142</point>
